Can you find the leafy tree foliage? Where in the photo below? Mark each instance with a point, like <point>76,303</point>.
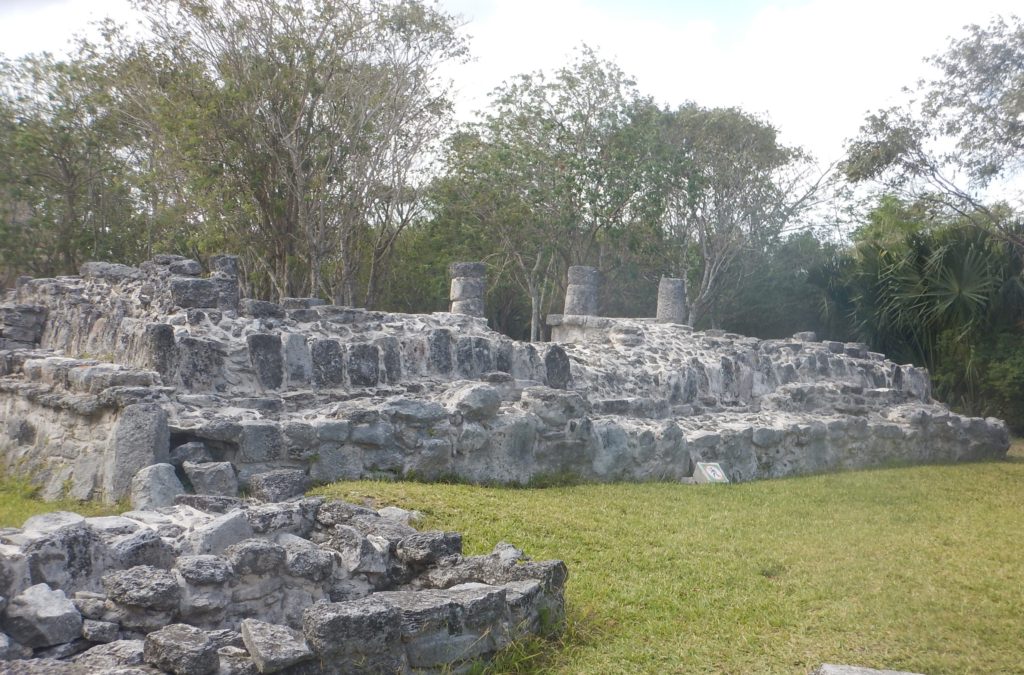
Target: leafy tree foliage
<point>65,190</point>
<point>966,123</point>
<point>554,173</point>
<point>738,189</point>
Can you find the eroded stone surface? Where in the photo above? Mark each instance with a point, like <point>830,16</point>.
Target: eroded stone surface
<point>338,393</point>
<point>313,586</point>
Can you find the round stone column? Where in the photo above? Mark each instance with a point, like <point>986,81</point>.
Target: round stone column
<point>581,292</point>
<point>467,289</point>
<point>672,300</point>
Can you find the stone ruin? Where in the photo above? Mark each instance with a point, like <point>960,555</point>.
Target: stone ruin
<point>218,585</point>
<point>160,385</point>
<point>158,380</point>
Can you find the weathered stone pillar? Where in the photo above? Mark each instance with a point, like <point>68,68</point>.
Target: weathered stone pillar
<point>467,289</point>
<point>581,293</point>
<point>672,300</point>
<point>225,270</point>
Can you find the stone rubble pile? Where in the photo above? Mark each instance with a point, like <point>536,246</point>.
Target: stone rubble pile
<point>219,585</point>
<point>148,382</point>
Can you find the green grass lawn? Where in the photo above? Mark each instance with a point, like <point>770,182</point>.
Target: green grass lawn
<point>916,568</point>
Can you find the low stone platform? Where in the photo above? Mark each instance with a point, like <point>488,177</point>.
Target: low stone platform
<point>215,585</point>
<point>121,369</point>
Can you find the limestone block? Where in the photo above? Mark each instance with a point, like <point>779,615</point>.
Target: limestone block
<point>304,559</point>
<point>155,486</point>
<point>111,656</point>
<point>99,631</point>
<point>226,264</point>
<point>467,288</point>
<point>439,347</point>
<point>195,452</point>
<point>473,356</point>
<point>216,535</point>
<point>40,617</point>
<point>358,554</point>
<point>143,586</point>
<point>557,367</point>
<point>425,548</point>
<point>298,362</point>
<point>14,571</point>
<point>212,478</point>
<point>256,556</point>
<point>833,669</point>
<point>235,661</point>
<point>672,301</point>
<point>261,309</point>
<point>266,359</point>
<point>260,441</point>
<point>12,650</point>
<point>328,363</point>
<point>293,517</point>
<point>474,401</point>
<point>188,268</point>
<point>144,547</point>
<point>200,362</point>
<point>68,556</point>
<point>278,485</point>
<point>140,438</point>
<point>192,292</point>
<point>181,649</point>
<point>273,647</point>
<point>361,634</point>
<point>363,365</point>
<point>112,272</point>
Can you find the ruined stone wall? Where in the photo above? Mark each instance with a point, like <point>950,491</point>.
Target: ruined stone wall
<point>160,365</point>
<point>221,585</point>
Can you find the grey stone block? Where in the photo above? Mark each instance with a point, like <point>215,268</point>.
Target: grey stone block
<point>298,363</point>
<point>181,649</point>
<point>261,309</point>
<point>212,478</point>
<point>188,268</point>
<point>266,359</point>
<point>328,363</point>
<point>41,617</point>
<point>273,647</point>
<point>143,586</point>
<point>155,486</point>
<point>99,631</point>
<point>357,636</point>
<point>256,556</point>
<point>141,438</point>
<point>219,533</point>
<point>363,365</point>
<point>192,292</point>
<point>278,485</point>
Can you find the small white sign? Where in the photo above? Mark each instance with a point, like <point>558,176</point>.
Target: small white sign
<point>709,472</point>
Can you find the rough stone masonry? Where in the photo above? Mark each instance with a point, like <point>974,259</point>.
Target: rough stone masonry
<point>218,585</point>
<point>105,375</point>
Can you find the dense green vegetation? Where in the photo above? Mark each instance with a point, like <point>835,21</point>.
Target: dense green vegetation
<point>911,569</point>
<point>315,138</point>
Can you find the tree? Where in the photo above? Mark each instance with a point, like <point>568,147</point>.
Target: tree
<point>963,131</point>
<point>741,188</point>
<point>298,130</point>
<point>64,170</point>
<point>552,170</point>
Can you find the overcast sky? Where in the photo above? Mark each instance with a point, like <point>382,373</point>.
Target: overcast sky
<point>812,67</point>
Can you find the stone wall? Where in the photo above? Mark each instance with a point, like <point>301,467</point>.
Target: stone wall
<point>159,365</point>
<point>219,585</point>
